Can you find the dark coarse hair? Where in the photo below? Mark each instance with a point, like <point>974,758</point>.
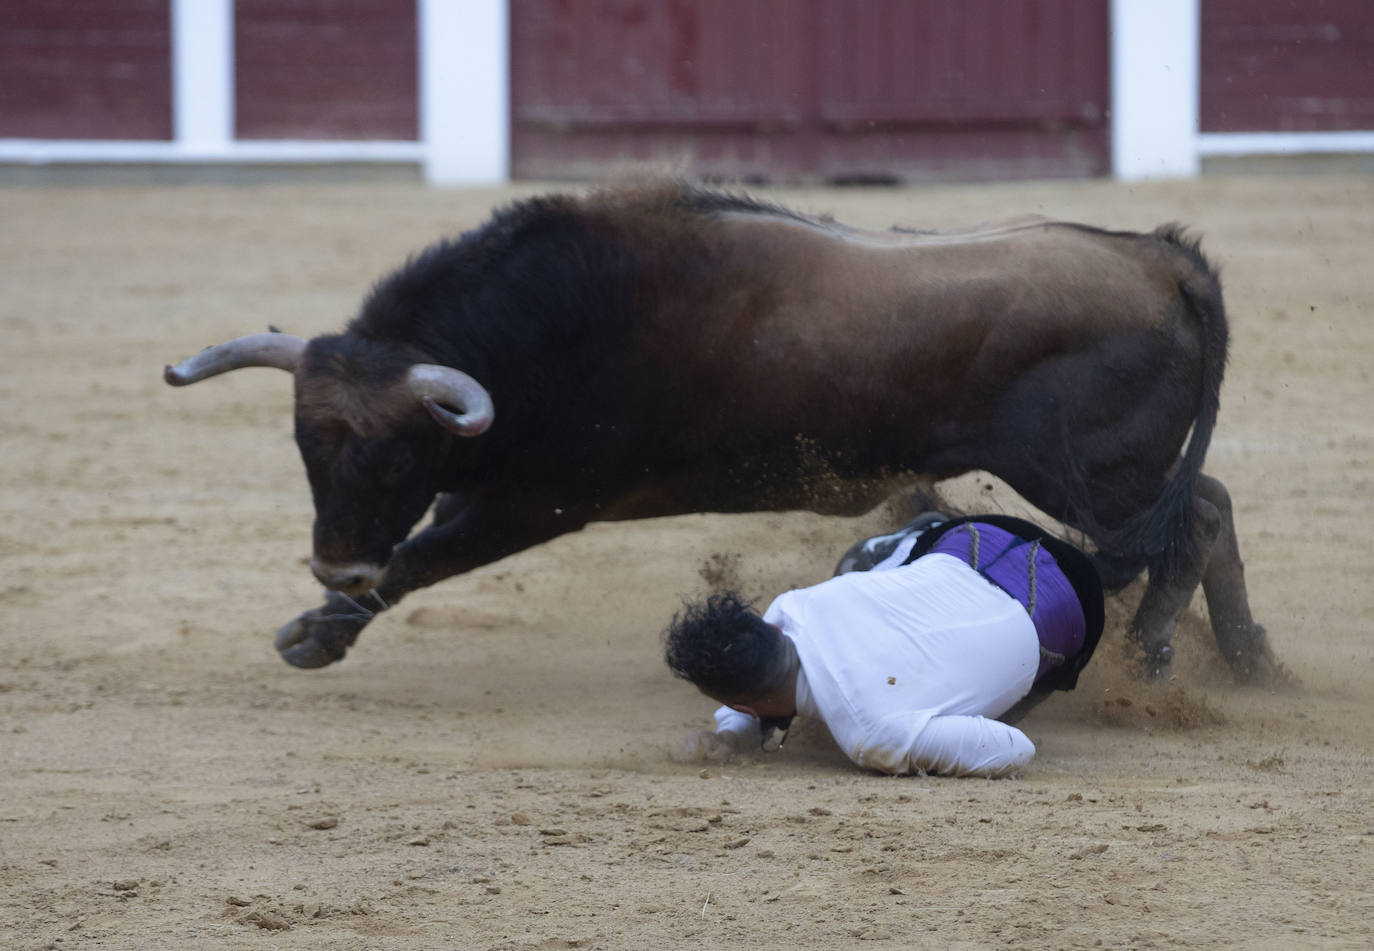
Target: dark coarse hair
<point>723,646</point>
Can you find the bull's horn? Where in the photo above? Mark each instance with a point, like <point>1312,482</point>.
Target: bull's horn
<point>439,387</point>
<point>255,350</point>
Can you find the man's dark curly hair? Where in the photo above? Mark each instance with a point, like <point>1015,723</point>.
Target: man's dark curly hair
<point>723,646</point>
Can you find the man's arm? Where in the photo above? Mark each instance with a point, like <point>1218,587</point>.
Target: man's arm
<point>730,720</point>
<point>970,746</point>
<point>735,733</point>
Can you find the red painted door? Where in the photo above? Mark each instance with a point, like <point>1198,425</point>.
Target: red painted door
<point>912,90</point>
<point>325,69</point>
<point>1287,66</point>
<point>85,69</point>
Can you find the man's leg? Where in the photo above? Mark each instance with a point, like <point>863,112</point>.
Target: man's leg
<point>1038,692</point>
<point>887,551</point>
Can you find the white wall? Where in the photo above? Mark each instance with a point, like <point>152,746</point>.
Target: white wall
<point>465,90</point>
<point>203,73</point>
<point>1155,78</point>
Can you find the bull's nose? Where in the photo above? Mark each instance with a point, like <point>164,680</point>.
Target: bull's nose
<point>352,578</point>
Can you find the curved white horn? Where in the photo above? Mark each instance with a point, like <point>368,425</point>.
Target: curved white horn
<point>439,387</point>
<point>255,350</point>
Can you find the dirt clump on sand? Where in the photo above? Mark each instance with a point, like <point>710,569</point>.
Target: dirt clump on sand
<point>492,765</point>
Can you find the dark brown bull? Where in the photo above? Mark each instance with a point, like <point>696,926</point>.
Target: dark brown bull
<point>668,349</point>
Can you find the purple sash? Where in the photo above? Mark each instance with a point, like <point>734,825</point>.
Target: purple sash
<point>1029,574</point>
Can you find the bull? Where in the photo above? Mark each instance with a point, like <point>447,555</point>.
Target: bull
<point>668,348</point>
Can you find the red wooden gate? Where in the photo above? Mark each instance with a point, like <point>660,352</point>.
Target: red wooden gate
<point>911,90</point>
<point>1280,66</point>
<point>325,69</point>
<point>86,69</point>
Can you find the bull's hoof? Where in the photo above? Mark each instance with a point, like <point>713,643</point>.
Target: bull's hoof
<point>291,633</point>
<point>1156,662</point>
<point>310,655</point>
<point>1256,666</point>
<point>320,637</point>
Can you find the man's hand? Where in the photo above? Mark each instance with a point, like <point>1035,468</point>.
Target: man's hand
<point>706,746</point>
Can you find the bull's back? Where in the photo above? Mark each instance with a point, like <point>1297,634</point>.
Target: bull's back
<point>874,317</point>
<point>981,279</point>
<point>808,348</point>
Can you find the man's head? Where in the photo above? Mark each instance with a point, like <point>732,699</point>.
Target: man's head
<point>733,655</point>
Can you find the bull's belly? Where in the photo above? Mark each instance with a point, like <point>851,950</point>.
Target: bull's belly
<point>835,495</point>
<point>824,495</point>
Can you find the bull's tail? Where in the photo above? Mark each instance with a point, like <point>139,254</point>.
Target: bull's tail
<point>1165,536</point>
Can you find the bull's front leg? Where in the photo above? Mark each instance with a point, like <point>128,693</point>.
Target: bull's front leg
<point>465,535</point>
<point>323,635</point>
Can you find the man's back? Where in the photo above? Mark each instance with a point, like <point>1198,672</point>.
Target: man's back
<point>884,652</point>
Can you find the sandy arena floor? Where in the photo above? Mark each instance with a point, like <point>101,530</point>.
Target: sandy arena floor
<point>491,766</point>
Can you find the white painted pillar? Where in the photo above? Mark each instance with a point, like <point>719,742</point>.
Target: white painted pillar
<point>1155,80</point>
<point>464,48</point>
<point>203,75</point>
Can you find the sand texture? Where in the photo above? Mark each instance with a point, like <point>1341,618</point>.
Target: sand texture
<point>492,766</point>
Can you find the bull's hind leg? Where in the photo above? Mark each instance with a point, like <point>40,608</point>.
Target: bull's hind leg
<point>1240,639</point>
<point>1216,564</point>
<point>1116,572</point>
<point>1174,578</point>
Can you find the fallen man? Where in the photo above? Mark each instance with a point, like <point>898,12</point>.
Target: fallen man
<point>908,653</point>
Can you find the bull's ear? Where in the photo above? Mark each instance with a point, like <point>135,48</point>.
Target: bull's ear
<point>256,350</point>
<point>440,387</point>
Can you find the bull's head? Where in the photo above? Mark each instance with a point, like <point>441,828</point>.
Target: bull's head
<point>373,459</point>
